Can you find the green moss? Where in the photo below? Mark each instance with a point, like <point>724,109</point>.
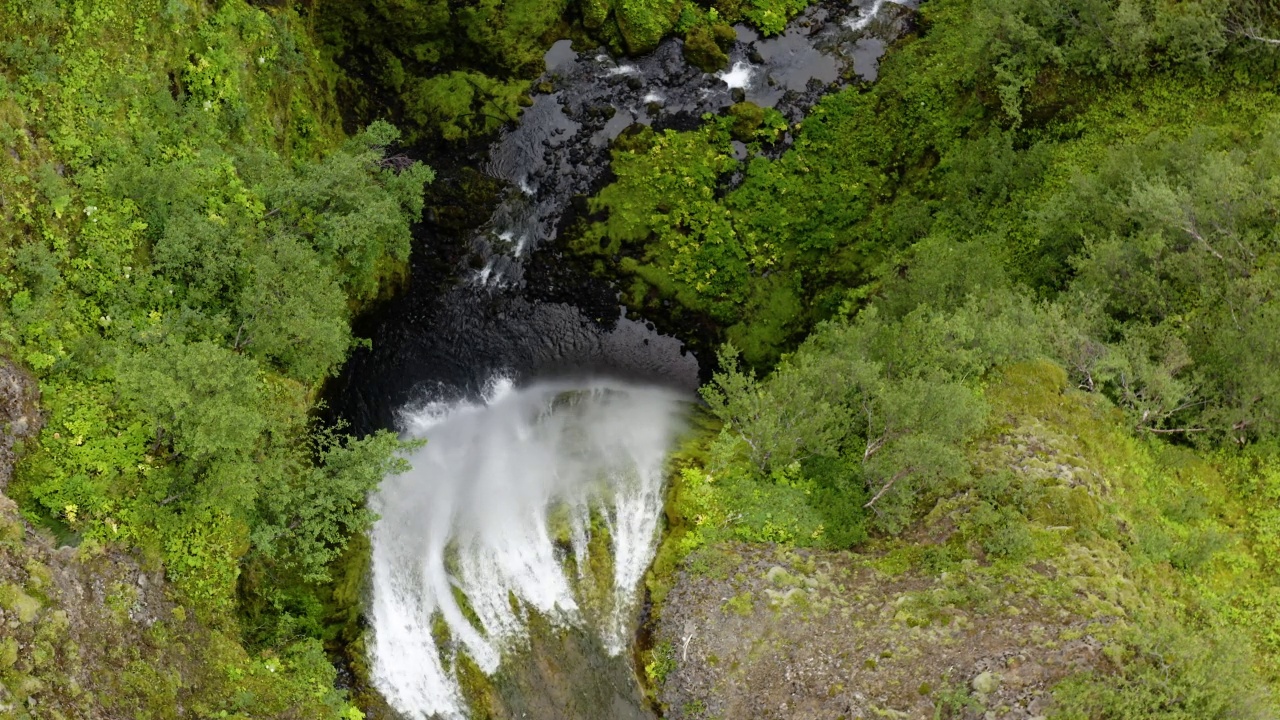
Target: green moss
<point>39,576</point>
<point>705,46</point>
<point>11,531</point>
<point>742,604</point>
<point>464,104</point>
<point>597,588</point>
<point>14,600</point>
<point>771,16</point>
<point>747,118</point>
<point>643,23</point>
<point>595,13</point>
<point>478,689</point>
<point>8,653</point>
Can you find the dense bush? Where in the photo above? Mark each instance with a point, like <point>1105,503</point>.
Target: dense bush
<point>1164,672</point>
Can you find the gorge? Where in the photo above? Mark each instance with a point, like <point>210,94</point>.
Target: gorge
<point>508,389</point>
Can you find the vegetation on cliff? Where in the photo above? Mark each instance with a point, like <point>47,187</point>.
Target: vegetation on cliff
<point>1019,195</point>
<point>185,234</point>
<point>974,131</point>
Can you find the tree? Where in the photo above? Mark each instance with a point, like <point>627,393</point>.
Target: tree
<point>204,404</point>
<point>302,520</point>
<point>1180,267</point>
<point>354,209</point>
<point>292,311</point>
<point>885,395</point>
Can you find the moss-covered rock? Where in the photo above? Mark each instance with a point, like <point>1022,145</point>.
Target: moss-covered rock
<point>747,118</point>
<point>705,46</point>
<point>21,605</point>
<point>1055,576</point>
<point>643,23</point>
<point>594,13</point>
<point>95,634</point>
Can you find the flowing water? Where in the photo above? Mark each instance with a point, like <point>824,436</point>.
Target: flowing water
<point>547,411</point>
<point>473,519</point>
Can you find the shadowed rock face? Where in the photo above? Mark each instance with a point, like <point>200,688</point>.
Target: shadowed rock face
<point>567,675</point>
<point>491,292</point>
<point>19,416</point>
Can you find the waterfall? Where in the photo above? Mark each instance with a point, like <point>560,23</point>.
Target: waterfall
<point>466,540</point>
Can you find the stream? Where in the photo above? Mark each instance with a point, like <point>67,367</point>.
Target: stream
<point>516,545</point>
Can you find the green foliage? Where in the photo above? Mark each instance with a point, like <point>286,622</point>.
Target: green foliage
<point>873,394</point>
<point>667,207</point>
<point>303,522</point>
<point>705,46</point>
<point>184,239</point>
<point>643,23</point>
<point>747,119</point>
<point>1178,248</point>
<point>1165,673</point>
<point>662,662</point>
<point>452,72</point>
<point>1018,40</point>
<point>464,103</point>
<point>771,16</point>
<point>972,132</point>
<point>203,402</point>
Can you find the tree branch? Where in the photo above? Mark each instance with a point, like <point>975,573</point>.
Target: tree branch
<point>1190,229</point>
<point>155,448</point>
<point>1252,34</point>
<point>170,499</point>
<point>893,480</point>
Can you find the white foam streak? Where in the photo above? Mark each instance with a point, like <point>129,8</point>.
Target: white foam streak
<point>472,519</point>
<point>867,15</point>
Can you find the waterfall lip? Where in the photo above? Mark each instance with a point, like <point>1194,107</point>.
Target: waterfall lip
<point>470,526</point>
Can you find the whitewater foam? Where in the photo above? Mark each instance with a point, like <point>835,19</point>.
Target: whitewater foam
<point>471,519</point>
<point>738,76</point>
<point>867,15</point>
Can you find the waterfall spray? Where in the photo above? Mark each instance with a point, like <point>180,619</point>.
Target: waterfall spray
<point>465,539</point>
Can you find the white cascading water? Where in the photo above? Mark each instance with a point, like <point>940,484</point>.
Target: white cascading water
<point>472,517</point>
